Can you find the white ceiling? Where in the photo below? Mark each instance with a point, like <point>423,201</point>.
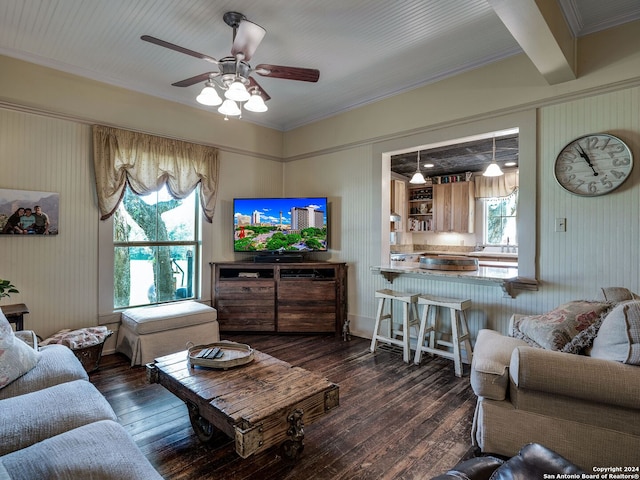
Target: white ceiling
<point>365,50</point>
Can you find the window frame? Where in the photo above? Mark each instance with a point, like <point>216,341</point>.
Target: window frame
<point>107,313</point>
<point>485,220</point>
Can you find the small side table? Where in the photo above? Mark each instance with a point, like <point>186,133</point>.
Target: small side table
<point>15,314</point>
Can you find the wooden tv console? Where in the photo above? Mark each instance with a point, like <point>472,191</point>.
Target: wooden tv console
<point>305,297</point>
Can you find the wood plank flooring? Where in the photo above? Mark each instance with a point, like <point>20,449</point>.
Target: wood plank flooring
<point>395,421</point>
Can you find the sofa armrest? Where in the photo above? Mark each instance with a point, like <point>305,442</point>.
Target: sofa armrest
<point>489,368</point>
<point>576,376</point>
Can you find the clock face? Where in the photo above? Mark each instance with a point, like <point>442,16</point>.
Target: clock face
<point>593,165</point>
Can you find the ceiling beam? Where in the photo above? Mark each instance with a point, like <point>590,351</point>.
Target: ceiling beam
<point>542,32</point>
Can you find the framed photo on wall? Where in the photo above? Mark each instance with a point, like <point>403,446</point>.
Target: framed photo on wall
<point>28,213</point>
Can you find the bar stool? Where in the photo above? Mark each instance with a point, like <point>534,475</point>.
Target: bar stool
<point>459,330</point>
<point>409,319</point>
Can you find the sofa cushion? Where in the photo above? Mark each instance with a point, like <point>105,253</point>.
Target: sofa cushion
<point>98,451</point>
<point>619,335</point>
<point>490,364</point>
<point>16,357</point>
<point>57,365</point>
<point>568,328</point>
<point>36,416</point>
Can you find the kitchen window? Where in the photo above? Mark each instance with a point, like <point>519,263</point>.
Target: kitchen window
<point>500,220</point>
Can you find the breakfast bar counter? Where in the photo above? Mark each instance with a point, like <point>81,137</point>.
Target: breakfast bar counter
<point>505,277</point>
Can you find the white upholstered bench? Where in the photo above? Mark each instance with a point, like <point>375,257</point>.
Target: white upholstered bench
<point>150,332</point>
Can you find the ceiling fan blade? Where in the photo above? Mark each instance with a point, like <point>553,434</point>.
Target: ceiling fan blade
<point>253,84</point>
<point>187,82</point>
<point>288,73</point>
<point>177,48</point>
<point>248,37</point>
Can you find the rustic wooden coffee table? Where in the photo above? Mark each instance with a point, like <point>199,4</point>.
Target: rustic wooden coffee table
<point>263,403</point>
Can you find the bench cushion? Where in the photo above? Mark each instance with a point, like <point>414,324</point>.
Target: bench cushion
<point>167,317</point>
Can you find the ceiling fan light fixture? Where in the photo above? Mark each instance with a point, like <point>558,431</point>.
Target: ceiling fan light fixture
<point>493,170</point>
<point>237,92</point>
<point>230,108</point>
<point>256,103</point>
<point>209,96</point>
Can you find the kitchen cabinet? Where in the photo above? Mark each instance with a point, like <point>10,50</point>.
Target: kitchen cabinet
<point>454,207</point>
<point>399,204</point>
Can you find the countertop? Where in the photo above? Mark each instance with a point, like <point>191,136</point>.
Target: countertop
<point>505,277</point>
<point>478,254</point>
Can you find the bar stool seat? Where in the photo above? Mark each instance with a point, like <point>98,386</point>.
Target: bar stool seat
<point>459,330</point>
<point>410,319</point>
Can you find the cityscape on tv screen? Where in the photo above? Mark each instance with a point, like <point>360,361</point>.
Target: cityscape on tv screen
<point>280,224</point>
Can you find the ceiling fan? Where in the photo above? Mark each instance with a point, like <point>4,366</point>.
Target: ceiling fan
<point>233,77</point>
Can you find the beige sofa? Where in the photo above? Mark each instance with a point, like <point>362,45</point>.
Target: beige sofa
<point>585,408</point>
<point>54,424</point>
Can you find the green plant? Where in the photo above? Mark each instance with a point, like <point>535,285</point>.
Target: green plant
<point>6,288</point>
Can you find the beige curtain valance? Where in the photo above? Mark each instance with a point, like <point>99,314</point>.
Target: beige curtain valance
<point>147,162</point>
<point>494,187</point>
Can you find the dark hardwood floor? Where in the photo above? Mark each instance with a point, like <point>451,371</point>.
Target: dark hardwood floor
<point>395,421</point>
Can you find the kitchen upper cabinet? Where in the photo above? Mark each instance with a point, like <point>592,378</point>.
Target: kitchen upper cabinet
<point>454,207</point>
<point>398,204</point>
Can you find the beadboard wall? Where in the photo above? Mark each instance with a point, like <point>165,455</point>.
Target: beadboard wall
<point>56,275</point>
<point>599,248</point>
<point>59,276</point>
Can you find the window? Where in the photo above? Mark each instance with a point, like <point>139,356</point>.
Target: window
<point>500,220</point>
<point>156,248</point>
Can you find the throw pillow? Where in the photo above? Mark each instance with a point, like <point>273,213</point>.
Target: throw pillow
<point>619,335</point>
<point>618,294</point>
<point>16,357</point>
<point>568,328</point>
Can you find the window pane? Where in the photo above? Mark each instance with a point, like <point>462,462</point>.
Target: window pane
<point>500,218</point>
<point>156,249</point>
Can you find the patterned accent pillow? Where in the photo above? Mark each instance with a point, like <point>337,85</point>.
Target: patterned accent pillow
<point>16,357</point>
<point>83,337</point>
<point>619,335</point>
<point>568,328</point>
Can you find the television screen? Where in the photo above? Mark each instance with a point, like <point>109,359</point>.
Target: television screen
<point>280,224</point>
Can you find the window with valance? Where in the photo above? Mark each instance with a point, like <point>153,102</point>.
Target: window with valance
<point>146,163</point>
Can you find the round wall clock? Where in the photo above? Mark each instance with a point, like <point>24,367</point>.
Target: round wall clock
<point>593,165</point>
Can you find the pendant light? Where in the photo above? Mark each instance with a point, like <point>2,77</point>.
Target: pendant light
<point>418,178</point>
<point>493,170</point>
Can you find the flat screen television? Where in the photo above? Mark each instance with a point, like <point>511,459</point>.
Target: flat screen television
<point>287,225</point>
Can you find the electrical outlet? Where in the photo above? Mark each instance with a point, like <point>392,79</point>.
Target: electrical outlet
<point>561,224</point>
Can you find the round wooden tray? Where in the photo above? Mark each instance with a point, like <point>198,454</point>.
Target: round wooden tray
<point>235,354</point>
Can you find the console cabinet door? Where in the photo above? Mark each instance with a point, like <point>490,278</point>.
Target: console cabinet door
<point>307,306</point>
<point>246,305</point>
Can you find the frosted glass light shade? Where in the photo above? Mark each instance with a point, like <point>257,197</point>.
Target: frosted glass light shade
<point>229,107</point>
<point>417,178</point>
<point>209,96</point>
<point>256,104</point>
<point>493,170</point>
<point>237,92</point>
